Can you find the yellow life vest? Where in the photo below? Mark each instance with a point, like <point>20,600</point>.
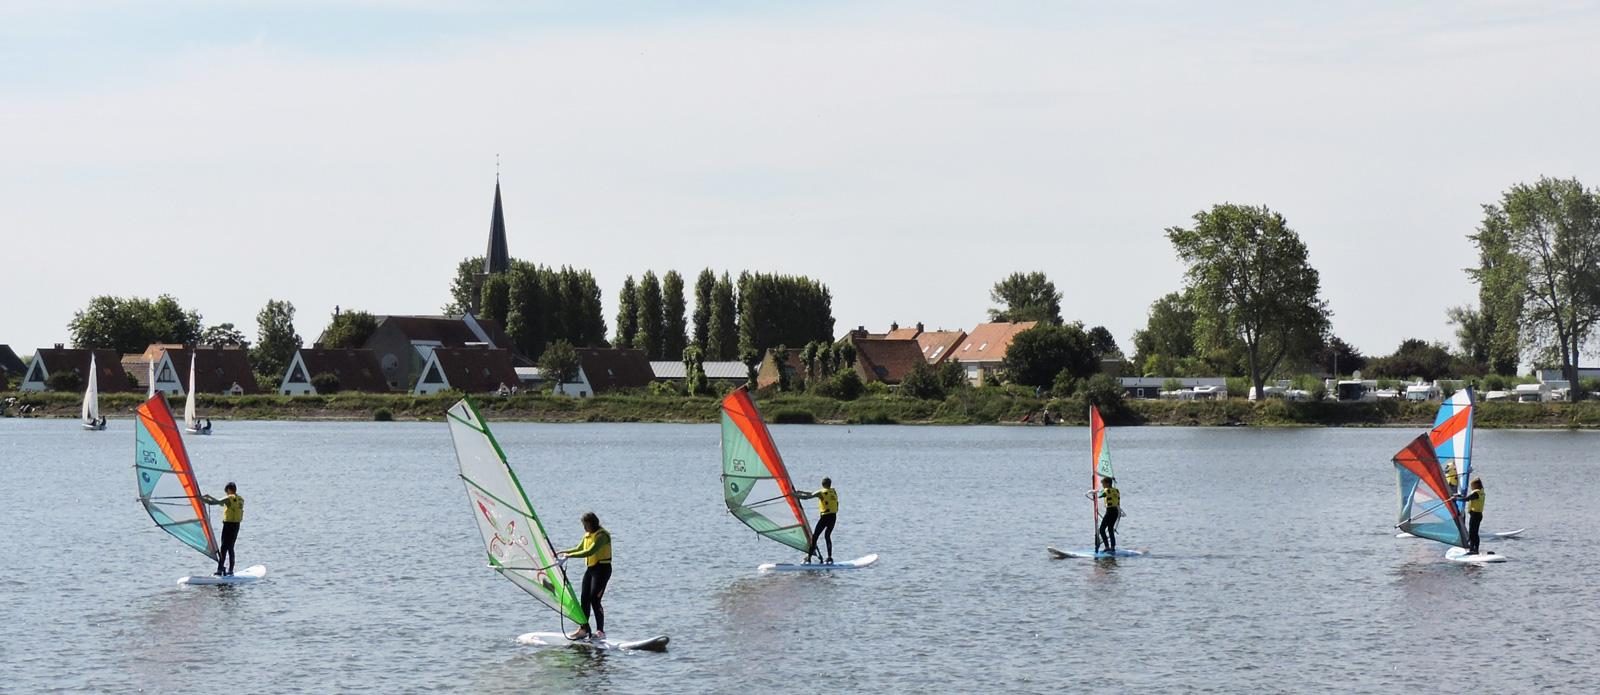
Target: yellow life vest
<point>828,500</point>
<point>1452,480</point>
<point>595,548</point>
<point>1113,497</point>
<point>1475,504</point>
<point>232,509</point>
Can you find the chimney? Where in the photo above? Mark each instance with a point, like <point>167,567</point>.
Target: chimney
<point>894,326</point>
<point>59,346</point>
<point>919,328</point>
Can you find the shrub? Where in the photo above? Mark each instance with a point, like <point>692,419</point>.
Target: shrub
<point>844,385</point>
<point>793,416</point>
<point>63,380</point>
<point>1106,392</point>
<point>875,388</point>
<point>1065,386</point>
<point>953,376</point>
<point>664,388</point>
<point>325,383</point>
<point>382,415</point>
<point>922,383</point>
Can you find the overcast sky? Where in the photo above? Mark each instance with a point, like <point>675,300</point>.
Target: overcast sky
<point>908,154</point>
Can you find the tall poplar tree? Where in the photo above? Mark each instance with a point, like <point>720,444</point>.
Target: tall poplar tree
<point>650,334</point>
<point>703,287</point>
<point>627,314</point>
<point>673,323</point>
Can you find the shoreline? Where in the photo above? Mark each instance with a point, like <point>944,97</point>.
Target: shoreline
<point>976,407</point>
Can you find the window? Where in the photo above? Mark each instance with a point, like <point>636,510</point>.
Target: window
<point>433,376</point>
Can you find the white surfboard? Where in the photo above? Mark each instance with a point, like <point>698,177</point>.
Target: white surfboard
<point>1461,555</point>
<point>250,574</point>
<point>557,639</point>
<point>858,563</point>
<point>1086,552</point>
<point>1497,535</point>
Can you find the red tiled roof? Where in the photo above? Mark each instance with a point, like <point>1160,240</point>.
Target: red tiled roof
<point>908,333</point>
<point>107,364</point>
<point>988,341</point>
<point>887,360</point>
<point>217,369</point>
<point>357,369</point>
<point>609,369</point>
<point>476,369</point>
<point>937,345</point>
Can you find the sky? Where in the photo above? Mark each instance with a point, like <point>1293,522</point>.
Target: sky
<point>907,154</point>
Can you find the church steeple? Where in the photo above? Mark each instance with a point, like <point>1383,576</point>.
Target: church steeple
<point>497,259</point>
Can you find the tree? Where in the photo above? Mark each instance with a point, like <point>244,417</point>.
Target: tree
<point>348,329</point>
<point>326,383</point>
<point>1473,334</point>
<point>1338,357</point>
<point>782,310</point>
<point>131,324</point>
<point>528,319</point>
<point>1553,231</point>
<point>276,340</point>
<point>704,286</point>
<point>651,335</point>
<point>1103,344</point>
<point>1502,286</point>
<point>752,366</point>
<point>465,289</point>
<point>495,299</point>
<point>722,337</point>
<point>559,363</point>
<point>1414,358</point>
<point>1026,297</point>
<point>1168,332</point>
<point>953,376</point>
<point>1251,282</point>
<point>1038,354</point>
<point>64,380</point>
<point>223,334</point>
<point>674,328</point>
<point>695,383</point>
<point>922,382</point>
<point>627,314</point>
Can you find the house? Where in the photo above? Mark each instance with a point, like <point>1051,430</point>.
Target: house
<point>47,361</point>
<point>402,343</point>
<point>937,346</point>
<point>768,373</point>
<point>356,368</point>
<point>982,351</point>
<point>887,360</point>
<point>608,369</point>
<point>728,372</point>
<point>1158,387</point>
<point>468,370</point>
<point>138,366</point>
<point>224,370</point>
<point>11,366</point>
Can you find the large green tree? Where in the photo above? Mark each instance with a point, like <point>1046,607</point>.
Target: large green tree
<point>465,286</point>
<point>1025,297</point>
<point>674,326</point>
<point>1502,277</point>
<point>1552,229</point>
<point>704,286</point>
<point>223,334</point>
<point>1168,333</point>
<point>627,313</point>
<point>1252,282</point>
<point>559,364</point>
<point>131,324</point>
<point>651,336</point>
<point>348,329</point>
<point>276,340</point>
<point>722,337</point>
<point>1037,355</point>
<point>495,297</point>
<point>782,310</point>
<point>1415,358</point>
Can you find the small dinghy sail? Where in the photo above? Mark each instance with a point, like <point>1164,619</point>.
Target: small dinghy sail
<point>167,486</point>
<point>1099,467</point>
<point>1426,510</point>
<point>191,424</point>
<point>755,484</point>
<point>91,400</point>
<point>513,537</point>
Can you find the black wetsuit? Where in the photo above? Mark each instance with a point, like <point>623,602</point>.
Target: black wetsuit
<point>1108,528</point>
<point>823,530</point>
<point>230,533</point>
<point>595,579</point>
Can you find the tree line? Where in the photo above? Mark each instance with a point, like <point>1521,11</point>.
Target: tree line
<point>732,319</point>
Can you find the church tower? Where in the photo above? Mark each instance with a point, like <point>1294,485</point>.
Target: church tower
<point>497,259</point>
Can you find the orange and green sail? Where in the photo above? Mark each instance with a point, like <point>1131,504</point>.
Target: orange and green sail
<point>167,487</point>
<point>755,484</point>
<point>1099,460</point>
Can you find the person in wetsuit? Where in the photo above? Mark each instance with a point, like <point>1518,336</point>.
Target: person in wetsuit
<point>1106,535</point>
<point>827,511</point>
<point>595,548</point>
<point>1474,513</point>
<point>232,514</point>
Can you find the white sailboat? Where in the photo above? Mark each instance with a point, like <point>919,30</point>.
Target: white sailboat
<point>191,424</point>
<point>91,400</point>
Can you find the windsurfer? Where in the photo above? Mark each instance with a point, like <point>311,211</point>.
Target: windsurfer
<point>596,549</point>
<point>1106,535</point>
<point>232,514</point>
<point>1474,502</point>
<point>828,510</point>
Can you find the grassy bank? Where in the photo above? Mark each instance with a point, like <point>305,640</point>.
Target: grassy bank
<point>979,406</point>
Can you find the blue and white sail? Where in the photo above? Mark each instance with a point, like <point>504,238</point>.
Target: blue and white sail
<point>1451,438</point>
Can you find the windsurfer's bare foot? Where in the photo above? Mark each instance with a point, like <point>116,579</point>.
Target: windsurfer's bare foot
<point>582,633</point>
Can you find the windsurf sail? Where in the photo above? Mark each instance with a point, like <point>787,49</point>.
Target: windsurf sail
<point>150,379</point>
<point>1425,508</point>
<point>167,487</point>
<point>1451,437</point>
<point>1099,461</point>
<point>755,484</point>
<point>189,420</point>
<point>91,396</point>
<point>513,537</point>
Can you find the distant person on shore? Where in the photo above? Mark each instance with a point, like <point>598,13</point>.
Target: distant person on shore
<point>827,512</point>
<point>232,514</point>
<point>1474,501</point>
<point>595,548</point>
<point>1106,535</point>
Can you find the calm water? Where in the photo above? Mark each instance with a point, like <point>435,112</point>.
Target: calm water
<point>1272,568</point>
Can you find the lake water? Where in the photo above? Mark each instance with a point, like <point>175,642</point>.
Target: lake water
<point>1272,565</point>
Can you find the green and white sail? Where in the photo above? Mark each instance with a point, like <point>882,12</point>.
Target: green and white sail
<point>755,485</point>
<point>513,537</point>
